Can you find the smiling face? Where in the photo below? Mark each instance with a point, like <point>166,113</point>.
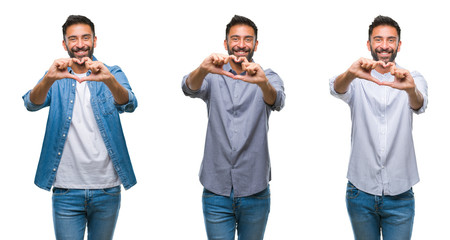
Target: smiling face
<point>384,43</point>
<point>241,41</point>
<point>79,41</point>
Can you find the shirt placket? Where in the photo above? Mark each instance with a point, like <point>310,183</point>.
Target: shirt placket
<point>383,137</point>
<point>234,129</point>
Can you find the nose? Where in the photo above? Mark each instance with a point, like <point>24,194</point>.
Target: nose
<point>241,43</point>
<point>385,44</point>
<point>79,43</point>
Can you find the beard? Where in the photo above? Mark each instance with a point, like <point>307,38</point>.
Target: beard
<point>249,52</point>
<point>71,52</point>
<point>381,50</point>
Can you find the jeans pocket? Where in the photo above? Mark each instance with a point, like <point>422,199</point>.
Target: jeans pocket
<point>408,195</point>
<point>264,194</point>
<point>114,191</point>
<point>59,191</point>
<point>207,193</point>
<point>352,191</point>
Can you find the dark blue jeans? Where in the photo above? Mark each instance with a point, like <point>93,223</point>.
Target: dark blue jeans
<point>74,209</point>
<point>370,214</point>
<point>224,215</point>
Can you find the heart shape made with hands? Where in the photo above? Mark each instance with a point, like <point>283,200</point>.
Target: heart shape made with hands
<point>244,63</point>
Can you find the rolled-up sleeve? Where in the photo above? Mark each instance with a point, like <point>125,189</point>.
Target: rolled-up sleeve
<point>422,86</point>
<point>278,84</point>
<point>132,103</point>
<point>346,97</point>
<point>30,106</point>
<point>200,93</point>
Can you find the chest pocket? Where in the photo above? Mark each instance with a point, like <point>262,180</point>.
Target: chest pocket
<point>106,103</point>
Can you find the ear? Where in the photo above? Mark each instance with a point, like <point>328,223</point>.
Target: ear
<point>95,41</point>
<point>368,45</point>
<point>399,45</point>
<point>225,44</point>
<point>64,45</point>
<point>256,46</point>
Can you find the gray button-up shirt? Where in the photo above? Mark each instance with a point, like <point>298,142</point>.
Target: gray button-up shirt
<point>236,151</point>
<point>382,159</point>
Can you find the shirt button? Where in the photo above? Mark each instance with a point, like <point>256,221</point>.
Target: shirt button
<point>71,101</point>
<point>54,169</point>
<point>59,154</point>
<point>70,118</point>
<point>64,135</point>
<point>73,84</point>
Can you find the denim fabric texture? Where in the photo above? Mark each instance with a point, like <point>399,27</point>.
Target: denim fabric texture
<point>372,216</point>
<point>60,98</point>
<point>224,215</point>
<point>74,209</point>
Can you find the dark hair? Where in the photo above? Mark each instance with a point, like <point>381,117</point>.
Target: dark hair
<point>384,20</point>
<point>77,19</point>
<point>236,20</point>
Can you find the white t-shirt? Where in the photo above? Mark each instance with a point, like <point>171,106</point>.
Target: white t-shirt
<point>85,163</point>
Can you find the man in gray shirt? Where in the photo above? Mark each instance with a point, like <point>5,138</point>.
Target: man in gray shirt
<point>382,97</point>
<point>235,171</point>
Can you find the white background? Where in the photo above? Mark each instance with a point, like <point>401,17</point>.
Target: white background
<point>157,43</point>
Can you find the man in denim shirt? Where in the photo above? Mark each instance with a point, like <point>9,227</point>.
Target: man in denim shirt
<point>84,155</point>
<point>235,171</point>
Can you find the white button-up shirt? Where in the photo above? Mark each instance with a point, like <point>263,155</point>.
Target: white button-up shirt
<point>382,159</point>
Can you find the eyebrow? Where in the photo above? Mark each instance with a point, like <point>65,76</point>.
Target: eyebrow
<point>84,35</point>
<point>247,36</point>
<point>387,37</point>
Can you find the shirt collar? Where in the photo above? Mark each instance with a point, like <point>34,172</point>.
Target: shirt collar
<point>227,67</point>
<point>69,69</point>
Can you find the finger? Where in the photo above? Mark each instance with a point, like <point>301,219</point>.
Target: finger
<point>244,60</point>
<point>61,64</point>
<point>372,79</point>
<point>239,77</point>
<point>228,74</point>
<point>68,75</point>
<point>393,70</point>
<point>389,64</point>
<point>389,84</point>
<point>215,59</point>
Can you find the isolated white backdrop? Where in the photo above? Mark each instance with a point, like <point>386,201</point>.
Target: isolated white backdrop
<point>157,42</point>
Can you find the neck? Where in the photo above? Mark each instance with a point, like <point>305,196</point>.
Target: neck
<point>382,69</point>
<point>79,69</point>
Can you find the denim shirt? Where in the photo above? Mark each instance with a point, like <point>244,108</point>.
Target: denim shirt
<point>236,152</point>
<point>60,98</point>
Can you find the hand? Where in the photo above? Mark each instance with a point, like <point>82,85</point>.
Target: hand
<point>402,80</point>
<point>99,72</point>
<point>58,70</point>
<point>214,64</point>
<point>363,67</point>
<point>254,73</point>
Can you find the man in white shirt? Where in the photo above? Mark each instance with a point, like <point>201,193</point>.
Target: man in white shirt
<point>382,170</point>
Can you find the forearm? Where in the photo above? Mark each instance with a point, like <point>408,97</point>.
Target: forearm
<point>415,99</point>
<point>39,92</point>
<point>119,93</point>
<point>269,93</point>
<point>343,81</point>
<point>195,79</point>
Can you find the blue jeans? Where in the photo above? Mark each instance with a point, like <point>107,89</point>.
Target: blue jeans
<point>370,214</point>
<point>223,215</point>
<point>73,209</point>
